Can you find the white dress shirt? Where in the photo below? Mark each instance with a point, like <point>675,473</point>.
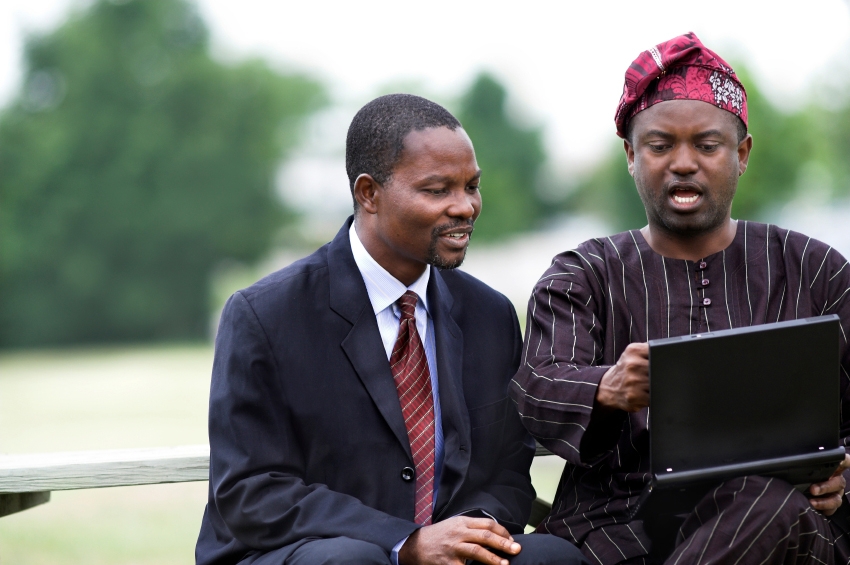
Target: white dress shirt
<point>384,290</point>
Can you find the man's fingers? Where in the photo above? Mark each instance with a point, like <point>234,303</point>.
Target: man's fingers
<point>826,504</point>
<point>844,464</point>
<point>495,538</point>
<point>479,554</point>
<point>639,349</point>
<point>488,524</point>
<point>835,483</point>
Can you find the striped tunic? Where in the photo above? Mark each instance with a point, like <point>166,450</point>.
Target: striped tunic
<point>595,300</point>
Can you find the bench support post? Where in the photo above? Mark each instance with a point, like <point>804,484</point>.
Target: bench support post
<point>12,502</point>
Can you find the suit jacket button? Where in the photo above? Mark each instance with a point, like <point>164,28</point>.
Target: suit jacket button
<point>408,473</point>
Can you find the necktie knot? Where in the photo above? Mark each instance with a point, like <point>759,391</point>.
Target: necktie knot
<point>407,305</point>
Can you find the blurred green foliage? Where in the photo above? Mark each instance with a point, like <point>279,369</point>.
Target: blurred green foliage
<point>788,149</point>
<point>510,156</point>
<point>131,165</point>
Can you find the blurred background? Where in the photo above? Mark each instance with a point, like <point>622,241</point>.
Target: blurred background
<point>156,155</point>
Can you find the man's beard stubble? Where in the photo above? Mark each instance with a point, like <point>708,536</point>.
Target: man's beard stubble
<point>714,214</point>
<point>434,257</point>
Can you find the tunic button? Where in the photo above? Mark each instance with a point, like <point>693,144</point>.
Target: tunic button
<point>706,301</point>
<point>704,282</point>
<point>407,474</point>
<point>703,264</point>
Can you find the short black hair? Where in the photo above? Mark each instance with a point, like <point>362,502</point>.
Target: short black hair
<point>376,135</point>
<point>742,129</point>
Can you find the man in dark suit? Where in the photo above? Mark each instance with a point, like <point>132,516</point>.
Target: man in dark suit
<point>359,409</point>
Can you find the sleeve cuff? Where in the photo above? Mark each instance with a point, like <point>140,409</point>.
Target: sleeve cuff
<point>396,548</point>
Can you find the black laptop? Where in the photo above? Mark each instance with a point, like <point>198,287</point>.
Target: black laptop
<point>761,400</point>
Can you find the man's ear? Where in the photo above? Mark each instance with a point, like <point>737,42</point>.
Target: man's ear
<point>744,149</point>
<point>630,156</point>
<point>366,191</point>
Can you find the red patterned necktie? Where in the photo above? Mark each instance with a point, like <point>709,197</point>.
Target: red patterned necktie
<point>413,382</point>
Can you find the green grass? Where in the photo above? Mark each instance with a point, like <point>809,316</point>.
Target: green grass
<point>109,399</point>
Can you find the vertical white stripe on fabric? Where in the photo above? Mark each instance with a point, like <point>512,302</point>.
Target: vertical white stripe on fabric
<point>575,336</point>
<point>799,290</point>
<point>691,296</point>
<point>592,271</point>
<point>750,509</point>
<point>767,248</point>
<point>708,541</point>
<point>781,300</point>
<point>587,545</point>
<point>687,547</point>
<point>747,273</point>
<point>839,270</point>
<point>831,306</point>
<point>726,290</point>
<point>772,518</point>
<point>645,287</point>
<point>613,542</point>
<point>611,294</point>
<point>820,268</point>
<point>552,312</point>
<point>530,330</point>
<point>667,287</point>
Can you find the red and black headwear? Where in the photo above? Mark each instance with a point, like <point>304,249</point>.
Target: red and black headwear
<point>680,69</point>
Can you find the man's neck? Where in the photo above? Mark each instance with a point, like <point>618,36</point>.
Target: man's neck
<point>691,248</point>
<point>404,269</point>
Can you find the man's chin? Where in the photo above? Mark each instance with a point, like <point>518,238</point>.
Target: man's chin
<point>446,263</point>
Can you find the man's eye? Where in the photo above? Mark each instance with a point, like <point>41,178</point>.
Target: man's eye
<point>708,147</point>
<point>657,147</point>
<point>474,187</point>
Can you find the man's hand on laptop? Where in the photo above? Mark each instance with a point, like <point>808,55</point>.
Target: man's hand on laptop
<point>625,386</point>
<point>456,540</point>
<point>827,496</point>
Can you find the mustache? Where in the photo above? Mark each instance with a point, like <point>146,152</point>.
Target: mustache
<point>440,230</point>
<point>684,183</point>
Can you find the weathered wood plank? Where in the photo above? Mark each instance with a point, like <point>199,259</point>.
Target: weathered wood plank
<point>17,501</point>
<point>95,469</point>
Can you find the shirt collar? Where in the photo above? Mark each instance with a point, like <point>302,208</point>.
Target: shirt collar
<point>383,288</point>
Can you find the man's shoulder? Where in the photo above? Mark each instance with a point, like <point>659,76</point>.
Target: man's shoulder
<point>296,277</point>
<point>590,258</point>
<point>796,245</point>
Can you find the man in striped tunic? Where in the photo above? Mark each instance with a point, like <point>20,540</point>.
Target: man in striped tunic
<point>582,388</point>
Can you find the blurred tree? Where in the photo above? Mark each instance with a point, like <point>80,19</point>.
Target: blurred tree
<point>510,156</point>
<point>782,144</point>
<point>131,164</point>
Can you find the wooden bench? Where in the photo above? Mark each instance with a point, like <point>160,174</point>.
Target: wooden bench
<point>27,480</point>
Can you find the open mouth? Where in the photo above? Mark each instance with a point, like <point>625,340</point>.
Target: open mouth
<point>456,238</point>
<point>684,199</point>
<point>685,196</point>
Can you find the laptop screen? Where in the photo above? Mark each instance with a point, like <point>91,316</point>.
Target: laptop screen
<point>745,394</point>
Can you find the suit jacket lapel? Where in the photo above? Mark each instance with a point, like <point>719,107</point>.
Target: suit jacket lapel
<point>455,417</point>
<point>363,345</point>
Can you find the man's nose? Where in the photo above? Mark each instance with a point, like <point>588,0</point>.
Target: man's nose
<point>465,205</point>
<point>684,160</point>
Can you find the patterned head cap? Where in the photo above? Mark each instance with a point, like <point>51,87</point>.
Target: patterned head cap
<point>680,69</point>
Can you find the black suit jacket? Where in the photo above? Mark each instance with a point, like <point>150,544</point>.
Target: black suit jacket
<point>307,438</point>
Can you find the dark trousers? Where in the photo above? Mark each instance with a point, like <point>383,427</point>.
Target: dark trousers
<point>755,520</point>
<point>537,549</point>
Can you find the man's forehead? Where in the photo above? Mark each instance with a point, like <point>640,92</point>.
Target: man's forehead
<point>684,117</point>
<point>432,144</point>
